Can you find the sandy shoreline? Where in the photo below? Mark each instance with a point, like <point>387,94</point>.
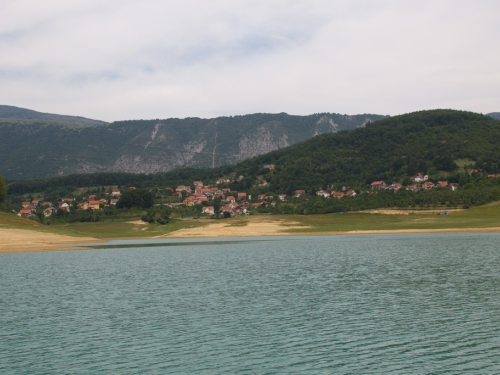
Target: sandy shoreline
<point>22,240</point>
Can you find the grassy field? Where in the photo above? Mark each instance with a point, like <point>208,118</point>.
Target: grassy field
<point>487,216</point>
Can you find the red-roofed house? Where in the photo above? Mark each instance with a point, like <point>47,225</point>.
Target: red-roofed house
<point>378,185</point>
<point>323,193</point>
<point>351,193</point>
<point>427,185</point>
<point>298,193</point>
<point>208,210</point>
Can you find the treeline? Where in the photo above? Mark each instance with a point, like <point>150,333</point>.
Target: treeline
<point>475,193</point>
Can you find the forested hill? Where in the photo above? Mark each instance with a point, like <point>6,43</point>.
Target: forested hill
<point>35,149</point>
<point>11,112</point>
<point>495,115</point>
<point>392,149</point>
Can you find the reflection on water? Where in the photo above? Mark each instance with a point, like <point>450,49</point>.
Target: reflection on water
<point>329,304</point>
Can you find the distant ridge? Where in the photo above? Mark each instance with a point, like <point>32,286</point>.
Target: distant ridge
<point>40,148</point>
<point>11,112</point>
<point>495,115</point>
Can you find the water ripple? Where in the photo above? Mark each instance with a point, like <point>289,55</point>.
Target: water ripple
<point>316,305</point>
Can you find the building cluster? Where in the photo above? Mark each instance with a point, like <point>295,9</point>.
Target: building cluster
<point>420,182</point>
<point>231,202</point>
<point>67,204</point>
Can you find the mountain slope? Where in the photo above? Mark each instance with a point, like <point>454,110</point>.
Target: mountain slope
<point>495,115</point>
<point>391,149</point>
<point>388,149</point>
<point>41,149</point>
<point>11,112</point>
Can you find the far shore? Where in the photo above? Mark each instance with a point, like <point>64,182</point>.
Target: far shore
<point>23,240</point>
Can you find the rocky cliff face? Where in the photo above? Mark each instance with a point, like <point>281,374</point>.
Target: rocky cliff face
<point>42,149</point>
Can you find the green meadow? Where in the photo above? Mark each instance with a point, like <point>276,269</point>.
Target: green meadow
<point>487,216</point>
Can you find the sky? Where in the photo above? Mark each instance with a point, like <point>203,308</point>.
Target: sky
<point>120,59</point>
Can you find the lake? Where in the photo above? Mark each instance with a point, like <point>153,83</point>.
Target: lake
<point>419,303</point>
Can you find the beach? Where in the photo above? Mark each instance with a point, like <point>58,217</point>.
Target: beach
<point>24,240</point>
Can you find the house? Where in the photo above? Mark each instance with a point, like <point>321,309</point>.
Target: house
<point>26,212</point>
<point>231,199</point>
<point>113,201</point>
<point>63,205</point>
<point>226,209</point>
<point>35,203</point>
<point>261,197</point>
<point>190,201</point>
<point>222,181</point>
<point>26,204</point>
<point>94,205</point>
<point>350,193</point>
<point>198,184</point>
<point>395,186</point>
<point>242,196</point>
<point>263,183</point>
<point>269,166</point>
<point>378,185</point>
<point>209,210</point>
<point>454,186</point>
<point>298,193</point>
<point>413,188</point>
<point>323,193</point>
<point>116,192</point>
<point>48,212</point>
<point>182,188</point>
<point>282,197</point>
<point>428,185</point>
<point>442,184</point>
<point>338,194</point>
<point>256,205</point>
<point>418,177</point>
<point>226,190</point>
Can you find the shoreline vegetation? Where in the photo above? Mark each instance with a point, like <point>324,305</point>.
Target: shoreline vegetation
<point>23,235</point>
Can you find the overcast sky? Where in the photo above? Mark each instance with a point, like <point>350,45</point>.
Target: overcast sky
<point>120,59</point>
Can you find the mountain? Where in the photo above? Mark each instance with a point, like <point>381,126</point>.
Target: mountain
<point>390,149</point>
<point>34,148</point>
<point>10,112</point>
<point>495,115</point>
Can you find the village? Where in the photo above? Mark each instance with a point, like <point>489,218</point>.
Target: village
<point>218,199</point>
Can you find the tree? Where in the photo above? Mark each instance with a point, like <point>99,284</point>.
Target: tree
<point>142,198</point>
<point>3,189</point>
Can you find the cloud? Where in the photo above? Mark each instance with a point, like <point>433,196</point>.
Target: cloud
<point>155,59</point>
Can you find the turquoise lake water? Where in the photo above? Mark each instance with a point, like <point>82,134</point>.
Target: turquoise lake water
<point>426,303</point>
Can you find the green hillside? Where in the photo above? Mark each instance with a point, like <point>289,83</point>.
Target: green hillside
<point>11,112</point>
<point>35,148</point>
<point>391,149</point>
<point>446,145</point>
<point>436,142</point>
